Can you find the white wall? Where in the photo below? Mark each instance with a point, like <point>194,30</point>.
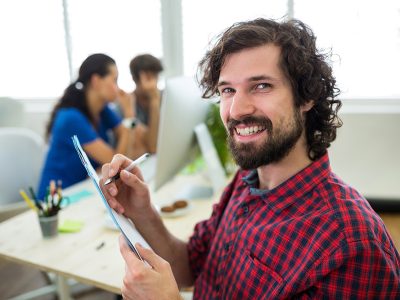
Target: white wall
<point>366,153</point>
<point>37,114</point>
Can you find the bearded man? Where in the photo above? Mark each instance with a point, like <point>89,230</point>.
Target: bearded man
<point>286,227</point>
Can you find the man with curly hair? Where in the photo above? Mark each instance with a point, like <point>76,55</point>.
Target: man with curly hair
<point>286,227</point>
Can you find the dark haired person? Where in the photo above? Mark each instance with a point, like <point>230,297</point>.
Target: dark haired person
<point>145,70</point>
<point>83,111</point>
<point>286,227</point>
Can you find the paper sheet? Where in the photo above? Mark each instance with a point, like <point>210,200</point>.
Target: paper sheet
<point>127,228</point>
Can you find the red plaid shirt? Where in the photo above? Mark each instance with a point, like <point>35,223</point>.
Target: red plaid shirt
<point>312,237</point>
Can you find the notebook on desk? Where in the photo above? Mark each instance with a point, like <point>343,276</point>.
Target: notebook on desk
<point>125,225</point>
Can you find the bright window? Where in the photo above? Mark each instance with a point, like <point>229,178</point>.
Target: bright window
<point>365,35</point>
<point>33,56</point>
<point>119,28</point>
<point>203,20</point>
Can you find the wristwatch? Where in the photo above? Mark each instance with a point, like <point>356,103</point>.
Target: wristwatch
<point>129,122</point>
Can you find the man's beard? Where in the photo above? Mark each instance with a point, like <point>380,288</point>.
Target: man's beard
<point>279,142</point>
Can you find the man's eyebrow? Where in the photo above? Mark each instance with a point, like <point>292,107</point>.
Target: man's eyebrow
<point>262,77</point>
<point>251,79</point>
<point>222,83</point>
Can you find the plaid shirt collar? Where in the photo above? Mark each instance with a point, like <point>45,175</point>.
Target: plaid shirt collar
<point>295,187</point>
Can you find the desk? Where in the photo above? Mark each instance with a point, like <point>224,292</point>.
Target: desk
<point>75,255</point>
<point>392,223</point>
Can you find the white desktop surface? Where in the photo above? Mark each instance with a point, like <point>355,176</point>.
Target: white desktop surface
<point>76,255</point>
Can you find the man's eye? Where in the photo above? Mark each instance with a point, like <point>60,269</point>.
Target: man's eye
<point>227,91</point>
<point>262,86</point>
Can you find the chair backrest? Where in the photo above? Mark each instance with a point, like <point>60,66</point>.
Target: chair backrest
<point>21,158</point>
<point>12,113</point>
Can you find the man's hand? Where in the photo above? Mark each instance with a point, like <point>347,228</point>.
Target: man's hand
<point>126,103</point>
<point>129,194</point>
<point>143,282</point>
<point>148,81</point>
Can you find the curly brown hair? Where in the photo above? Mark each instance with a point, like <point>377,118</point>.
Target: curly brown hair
<point>305,67</point>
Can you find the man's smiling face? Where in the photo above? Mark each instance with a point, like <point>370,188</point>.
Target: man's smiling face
<point>257,107</point>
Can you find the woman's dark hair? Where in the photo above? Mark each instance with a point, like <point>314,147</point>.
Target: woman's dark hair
<point>305,67</point>
<point>146,63</point>
<point>75,93</point>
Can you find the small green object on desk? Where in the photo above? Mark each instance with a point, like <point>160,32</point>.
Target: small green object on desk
<point>68,226</point>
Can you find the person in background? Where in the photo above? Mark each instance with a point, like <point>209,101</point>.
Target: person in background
<point>286,227</point>
<point>145,70</point>
<point>83,111</point>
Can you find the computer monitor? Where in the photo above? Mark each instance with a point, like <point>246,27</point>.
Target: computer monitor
<point>182,109</point>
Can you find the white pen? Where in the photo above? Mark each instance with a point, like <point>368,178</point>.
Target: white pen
<point>128,168</point>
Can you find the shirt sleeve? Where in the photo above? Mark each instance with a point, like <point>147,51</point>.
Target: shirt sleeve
<point>204,232</point>
<point>74,122</point>
<point>110,118</point>
<point>364,270</point>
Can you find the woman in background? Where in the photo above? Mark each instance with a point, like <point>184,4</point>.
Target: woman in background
<point>83,111</point>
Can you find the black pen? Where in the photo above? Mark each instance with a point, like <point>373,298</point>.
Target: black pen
<point>35,199</point>
<point>128,168</point>
<point>101,245</point>
<point>32,194</point>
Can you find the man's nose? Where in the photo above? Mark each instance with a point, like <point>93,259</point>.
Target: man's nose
<point>241,106</point>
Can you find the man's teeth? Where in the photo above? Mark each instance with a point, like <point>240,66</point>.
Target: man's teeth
<point>249,130</point>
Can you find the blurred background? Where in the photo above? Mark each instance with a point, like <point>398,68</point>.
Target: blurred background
<point>43,43</point>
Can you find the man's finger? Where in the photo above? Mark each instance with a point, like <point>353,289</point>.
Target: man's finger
<point>105,170</point>
<point>107,192</point>
<point>136,170</point>
<point>130,258</point>
<point>117,163</point>
<point>157,262</point>
<point>132,180</point>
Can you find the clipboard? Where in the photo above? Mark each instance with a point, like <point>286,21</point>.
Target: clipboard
<point>125,225</point>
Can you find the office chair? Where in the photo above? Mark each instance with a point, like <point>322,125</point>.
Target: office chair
<point>11,113</point>
<point>21,157</point>
<point>22,154</point>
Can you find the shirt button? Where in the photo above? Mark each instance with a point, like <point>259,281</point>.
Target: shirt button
<point>245,209</point>
<point>217,287</point>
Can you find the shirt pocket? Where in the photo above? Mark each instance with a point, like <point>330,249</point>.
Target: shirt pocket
<point>263,281</point>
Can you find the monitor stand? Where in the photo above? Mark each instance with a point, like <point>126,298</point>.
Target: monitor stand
<point>215,171</point>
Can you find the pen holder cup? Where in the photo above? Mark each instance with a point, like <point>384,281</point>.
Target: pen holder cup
<point>49,226</point>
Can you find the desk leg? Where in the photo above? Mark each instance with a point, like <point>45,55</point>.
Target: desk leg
<point>63,290</point>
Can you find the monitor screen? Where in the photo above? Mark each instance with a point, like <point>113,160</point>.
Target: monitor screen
<point>182,109</point>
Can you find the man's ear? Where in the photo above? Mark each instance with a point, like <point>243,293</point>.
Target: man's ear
<point>95,80</point>
<point>307,106</point>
